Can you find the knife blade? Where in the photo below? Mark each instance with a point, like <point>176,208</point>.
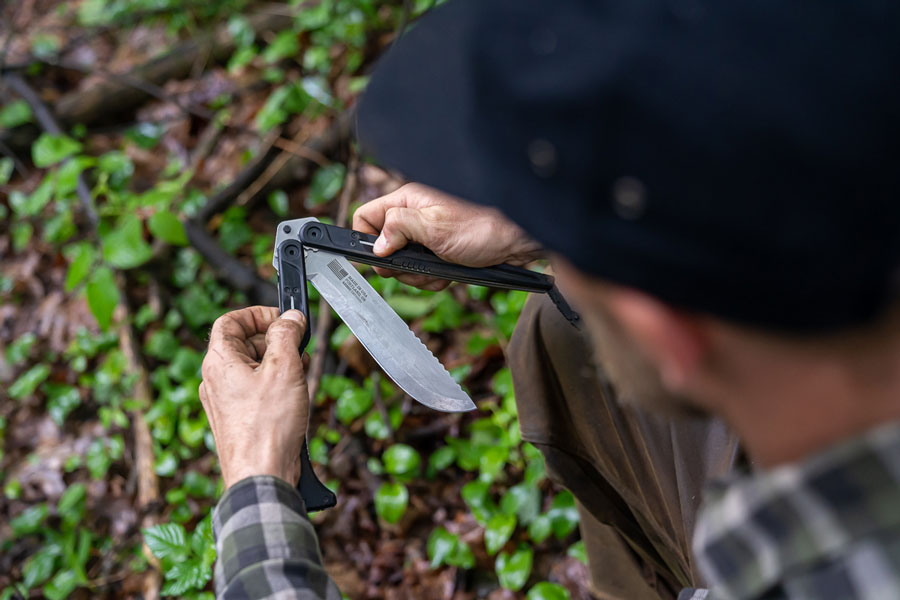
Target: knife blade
<point>402,355</point>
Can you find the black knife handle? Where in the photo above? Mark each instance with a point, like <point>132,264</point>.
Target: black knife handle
<point>292,293</point>
<point>415,258</point>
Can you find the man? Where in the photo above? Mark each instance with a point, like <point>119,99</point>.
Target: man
<point>718,185</point>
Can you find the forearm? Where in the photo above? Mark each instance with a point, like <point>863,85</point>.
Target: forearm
<point>266,545</point>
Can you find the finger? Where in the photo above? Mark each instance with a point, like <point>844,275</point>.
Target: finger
<point>230,333</point>
<point>387,272</point>
<point>282,342</point>
<point>244,323</point>
<point>256,346</point>
<point>369,218</point>
<point>423,282</point>
<point>437,285</point>
<point>401,226</point>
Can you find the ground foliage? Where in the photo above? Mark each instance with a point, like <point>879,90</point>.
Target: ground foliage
<point>431,505</point>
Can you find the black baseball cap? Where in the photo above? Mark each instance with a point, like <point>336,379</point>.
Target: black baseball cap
<point>738,158</point>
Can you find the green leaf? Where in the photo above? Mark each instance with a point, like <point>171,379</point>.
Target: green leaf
<point>40,566</point>
<point>167,227</point>
<point>18,351</point>
<point>522,500</point>
<point>241,58</point>
<point>166,464</point>
<point>326,183</point>
<point>401,460</point>
<point>199,486</point>
<point>98,459</point>
<point>577,550</point>
<point>375,426</point>
<point>492,461</point>
<point>62,399</point>
<point>62,585</point>
<point>21,235</point>
<point>162,344</point>
<point>14,114</point>
<point>6,170</point>
<point>563,514</point>
<point>353,403</point>
<point>50,149</point>
<point>185,364</point>
<point>30,520</point>
<point>30,205</point>
<point>60,227</point>
<point>441,544</point>
<point>183,576</point>
<point>441,458</point>
<point>548,591</point>
<point>241,31</point>
<point>318,451</point>
<point>278,202</point>
<point>82,256</point>
<point>67,175</point>
<point>540,529</point>
<point>102,296</point>
<point>499,529</point>
<point>28,381</point>
<point>475,494</point>
<point>167,540</point>
<point>391,501</point>
<point>124,247</point>
<point>202,538</point>
<point>284,45</point>
<point>72,500</point>
<point>513,570</point>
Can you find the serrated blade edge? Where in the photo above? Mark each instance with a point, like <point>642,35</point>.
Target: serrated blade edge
<point>399,352</point>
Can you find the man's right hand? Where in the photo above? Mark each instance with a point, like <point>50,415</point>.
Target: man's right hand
<point>458,232</point>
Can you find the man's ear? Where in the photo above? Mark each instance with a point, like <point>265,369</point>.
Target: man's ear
<point>675,341</point>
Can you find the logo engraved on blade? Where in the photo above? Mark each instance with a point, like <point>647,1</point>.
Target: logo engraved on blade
<point>352,286</point>
<point>337,269</point>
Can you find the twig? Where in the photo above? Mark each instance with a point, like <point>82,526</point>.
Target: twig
<point>148,495</point>
<point>239,275</point>
<point>49,123</point>
<point>17,162</point>
<point>225,197</point>
<point>301,151</point>
<point>288,168</point>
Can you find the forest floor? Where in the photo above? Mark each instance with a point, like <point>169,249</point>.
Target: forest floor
<point>148,150</point>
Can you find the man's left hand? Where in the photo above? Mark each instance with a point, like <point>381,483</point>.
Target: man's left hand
<point>254,393</point>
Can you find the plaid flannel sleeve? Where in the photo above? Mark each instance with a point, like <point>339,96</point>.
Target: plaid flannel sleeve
<point>267,547</point>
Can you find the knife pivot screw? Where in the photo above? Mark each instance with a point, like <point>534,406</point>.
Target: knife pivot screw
<point>287,228</point>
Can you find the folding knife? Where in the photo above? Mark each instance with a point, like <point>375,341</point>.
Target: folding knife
<point>308,250</point>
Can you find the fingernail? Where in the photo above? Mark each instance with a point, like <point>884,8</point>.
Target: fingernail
<point>293,315</point>
<point>380,245</point>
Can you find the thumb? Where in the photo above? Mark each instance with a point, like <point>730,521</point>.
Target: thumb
<point>283,339</point>
<point>401,226</point>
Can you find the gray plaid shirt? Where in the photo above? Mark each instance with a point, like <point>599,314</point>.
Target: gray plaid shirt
<point>267,547</point>
<point>825,527</point>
